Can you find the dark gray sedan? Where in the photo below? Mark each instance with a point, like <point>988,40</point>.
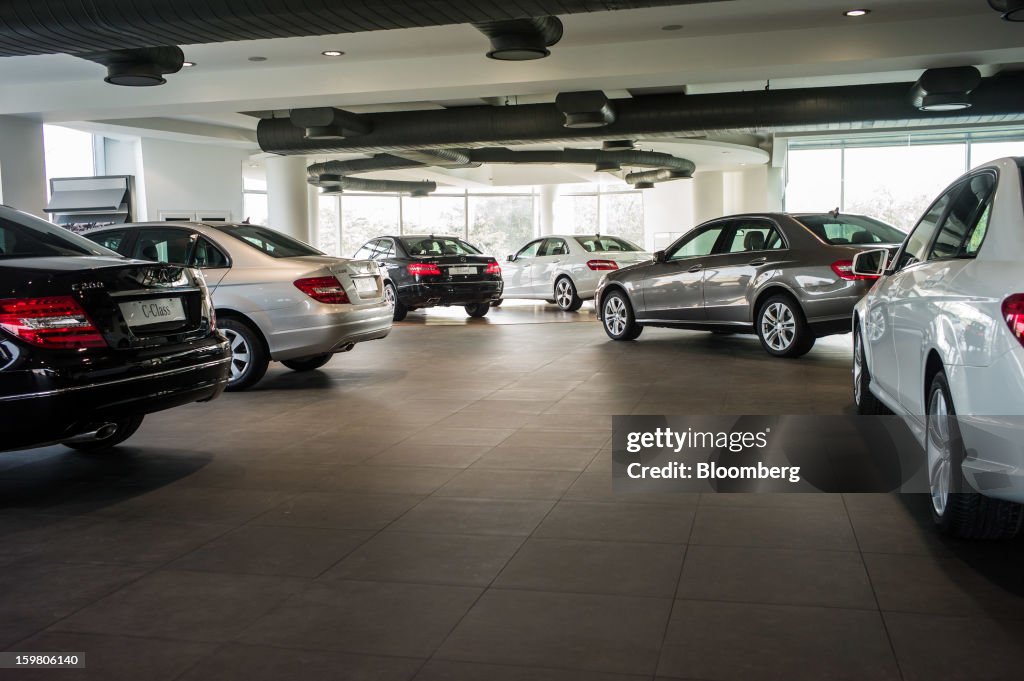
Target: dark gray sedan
<point>786,277</point>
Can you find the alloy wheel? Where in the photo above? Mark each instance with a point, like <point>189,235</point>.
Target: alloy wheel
<point>940,462</point>
<point>615,317</point>
<point>241,355</point>
<point>778,326</point>
<point>564,293</point>
<point>389,296</point>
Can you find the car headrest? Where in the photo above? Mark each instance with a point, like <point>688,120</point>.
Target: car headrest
<point>861,237</point>
<point>753,241</point>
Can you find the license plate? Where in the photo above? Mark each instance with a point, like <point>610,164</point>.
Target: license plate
<point>365,285</point>
<point>463,270</point>
<point>153,311</point>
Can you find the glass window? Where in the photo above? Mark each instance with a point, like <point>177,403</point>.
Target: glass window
<point>367,217</point>
<point>444,215</point>
<point>977,235</point>
<point>498,224</point>
<point>114,240</point>
<point>255,208</point>
<point>622,214</point>
<point>163,245</point>
<point>964,214</point>
<point>365,251</point>
<point>437,246</point>
<point>67,152</point>
<point>271,242</point>
<point>208,256</point>
<point>577,214</point>
<point>385,249</point>
<point>754,236</point>
<point>985,152</point>
<point>531,249</point>
<point>814,179</point>
<point>698,243</point>
<point>851,229</point>
<point>916,249</point>
<point>30,237</point>
<point>554,247</point>
<point>604,244</point>
<point>328,226</point>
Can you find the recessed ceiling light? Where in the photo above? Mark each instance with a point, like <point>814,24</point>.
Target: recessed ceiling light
<point>257,58</point>
<point>856,12</point>
<point>332,53</point>
<point>672,27</point>
<point>187,64</point>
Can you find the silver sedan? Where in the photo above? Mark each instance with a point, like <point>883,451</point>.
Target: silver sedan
<point>276,298</point>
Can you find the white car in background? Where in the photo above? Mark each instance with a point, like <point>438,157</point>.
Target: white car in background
<point>566,268</point>
<point>939,340</point>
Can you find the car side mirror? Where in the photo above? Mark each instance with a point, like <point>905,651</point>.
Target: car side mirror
<point>871,263</point>
<point>510,258</point>
<point>659,256</point>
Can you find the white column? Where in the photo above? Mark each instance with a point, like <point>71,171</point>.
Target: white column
<point>548,194</point>
<point>288,196</point>
<point>22,165</point>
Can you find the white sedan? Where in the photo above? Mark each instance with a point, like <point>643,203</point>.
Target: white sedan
<point>939,340</point>
<point>565,269</point>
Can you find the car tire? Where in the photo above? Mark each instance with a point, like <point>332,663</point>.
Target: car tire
<point>618,319</point>
<point>565,295</point>
<point>867,403</point>
<point>957,510</point>
<point>498,302</point>
<point>782,328</point>
<point>124,428</point>
<point>249,357</point>
<point>307,363</point>
<point>391,296</point>
<point>478,310</point>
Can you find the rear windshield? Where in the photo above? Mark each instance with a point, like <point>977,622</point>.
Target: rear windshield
<point>603,244</point>
<point>24,236</point>
<point>433,246</point>
<point>271,242</point>
<point>851,229</point>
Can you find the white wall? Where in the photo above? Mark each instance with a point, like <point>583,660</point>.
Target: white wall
<point>182,176</point>
<point>22,171</point>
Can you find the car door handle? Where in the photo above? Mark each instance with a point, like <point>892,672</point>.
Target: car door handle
<point>696,268</point>
<point>758,261</point>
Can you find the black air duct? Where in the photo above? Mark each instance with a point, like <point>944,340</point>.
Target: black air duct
<point>997,99</point>
<point>521,39</point>
<point>141,67</point>
<point>338,184</point>
<point>1012,10</point>
<point>328,123</point>
<point>945,89</point>
<point>590,109</point>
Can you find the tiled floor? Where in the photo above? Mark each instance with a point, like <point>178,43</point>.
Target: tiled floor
<point>437,506</point>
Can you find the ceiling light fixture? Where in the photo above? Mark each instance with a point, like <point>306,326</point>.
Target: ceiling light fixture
<point>856,13</point>
<point>1012,10</point>
<point>672,27</point>
<point>257,58</point>
<point>187,64</point>
<point>332,53</point>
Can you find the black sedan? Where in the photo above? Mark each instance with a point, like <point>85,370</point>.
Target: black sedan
<point>428,270</point>
<point>90,342</point>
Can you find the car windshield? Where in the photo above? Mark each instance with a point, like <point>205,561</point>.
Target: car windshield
<point>435,246</point>
<point>24,236</point>
<point>271,242</point>
<point>604,244</point>
<point>851,229</point>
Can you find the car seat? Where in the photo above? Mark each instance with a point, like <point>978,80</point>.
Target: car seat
<point>147,251</point>
<point>753,241</point>
<point>861,237</point>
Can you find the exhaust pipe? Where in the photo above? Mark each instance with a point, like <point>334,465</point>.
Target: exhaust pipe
<point>102,432</point>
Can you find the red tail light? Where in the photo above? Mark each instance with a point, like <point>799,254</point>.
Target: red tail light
<point>323,290</point>
<point>54,322</point>
<point>1013,313</point>
<point>602,265</point>
<point>424,269</point>
<point>844,270</point>
<point>493,268</point>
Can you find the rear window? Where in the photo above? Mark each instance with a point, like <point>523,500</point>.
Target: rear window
<point>24,236</point>
<point>436,246</point>
<point>271,242</point>
<point>851,229</point>
<point>604,244</point>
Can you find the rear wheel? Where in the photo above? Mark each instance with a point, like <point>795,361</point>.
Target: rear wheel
<point>478,309</point>
<point>618,319</point>
<point>866,402</point>
<point>114,433</point>
<point>566,296</point>
<point>249,359</point>
<point>307,363</point>
<point>956,509</point>
<point>782,328</point>
<point>391,296</point>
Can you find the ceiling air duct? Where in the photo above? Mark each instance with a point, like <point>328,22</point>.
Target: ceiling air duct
<point>521,39</point>
<point>138,67</point>
<point>1012,10</point>
<point>328,123</point>
<point>945,89</point>
<point>338,184</point>
<point>590,109</point>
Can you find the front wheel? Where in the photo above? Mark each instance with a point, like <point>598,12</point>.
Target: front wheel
<point>957,510</point>
<point>113,434</point>
<point>478,310</point>
<point>566,296</point>
<point>867,403</point>
<point>782,328</point>
<point>618,319</point>
<point>307,363</point>
<point>249,360</point>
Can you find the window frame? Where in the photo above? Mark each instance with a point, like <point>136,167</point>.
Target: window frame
<point>962,186</point>
<point>192,235</point>
<point>694,233</point>
<point>519,253</point>
<point>217,247</point>
<point>736,224</point>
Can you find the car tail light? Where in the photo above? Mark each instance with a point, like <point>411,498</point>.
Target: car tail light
<point>844,270</point>
<point>424,269</point>
<point>323,290</point>
<point>1013,313</point>
<point>493,268</point>
<point>54,322</point>
<point>602,265</point>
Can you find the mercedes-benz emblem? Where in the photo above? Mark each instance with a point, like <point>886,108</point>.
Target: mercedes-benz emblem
<point>462,259</point>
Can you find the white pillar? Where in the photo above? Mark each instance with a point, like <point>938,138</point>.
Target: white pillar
<point>548,194</point>
<point>288,196</point>
<point>22,165</point>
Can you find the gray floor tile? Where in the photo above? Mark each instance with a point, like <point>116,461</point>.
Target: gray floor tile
<point>446,670</point>
<point>387,479</point>
<point>618,522</point>
<point>508,484</point>
<point>774,528</point>
<point>474,516</point>
<point>443,456</point>
<point>236,662</point>
<point>339,510</point>
<point>537,458</point>
<point>597,486</point>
